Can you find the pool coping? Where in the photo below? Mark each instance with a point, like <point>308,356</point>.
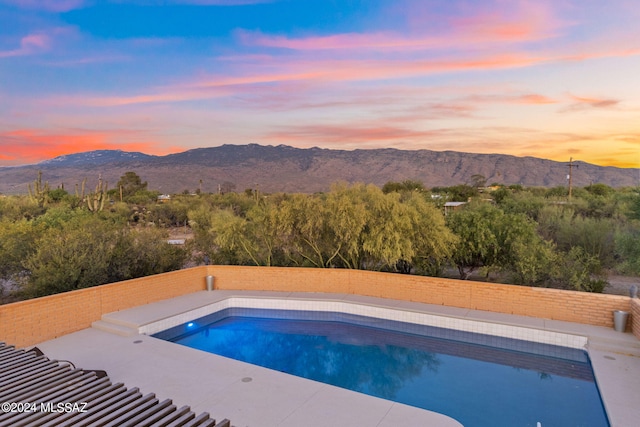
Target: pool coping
<point>372,311</point>
<point>614,355</point>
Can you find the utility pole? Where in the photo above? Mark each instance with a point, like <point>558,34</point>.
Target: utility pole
<point>570,176</point>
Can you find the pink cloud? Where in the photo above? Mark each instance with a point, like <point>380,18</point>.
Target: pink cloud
<point>338,41</point>
<point>35,41</point>
<point>511,21</point>
<point>526,99</point>
<point>498,23</point>
<point>305,71</point>
<point>32,145</point>
<point>361,69</point>
<point>39,42</point>
<point>596,102</point>
<point>402,102</point>
<point>352,70</point>
<point>29,45</point>
<point>385,41</point>
<point>534,99</point>
<point>301,75</point>
<point>162,95</point>
<point>348,134</point>
<point>587,103</point>
<point>94,59</point>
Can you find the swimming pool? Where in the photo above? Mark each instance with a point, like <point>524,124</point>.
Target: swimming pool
<point>477,379</point>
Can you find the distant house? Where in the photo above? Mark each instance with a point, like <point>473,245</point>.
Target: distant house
<point>489,189</point>
<point>164,198</point>
<point>452,206</point>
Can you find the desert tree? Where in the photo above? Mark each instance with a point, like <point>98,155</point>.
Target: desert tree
<point>433,242</point>
<point>491,239</point>
<point>307,238</point>
<point>130,184</point>
<point>408,185</point>
<point>88,250</point>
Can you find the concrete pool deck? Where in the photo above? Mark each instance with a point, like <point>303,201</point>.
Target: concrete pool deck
<point>253,396</point>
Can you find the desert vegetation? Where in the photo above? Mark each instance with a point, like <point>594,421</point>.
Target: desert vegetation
<point>53,241</point>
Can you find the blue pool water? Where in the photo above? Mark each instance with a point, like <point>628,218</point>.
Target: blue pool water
<point>464,376</point>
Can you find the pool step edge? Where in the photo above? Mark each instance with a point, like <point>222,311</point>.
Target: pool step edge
<point>114,328</point>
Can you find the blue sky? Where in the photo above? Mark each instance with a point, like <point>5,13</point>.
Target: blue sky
<point>551,79</point>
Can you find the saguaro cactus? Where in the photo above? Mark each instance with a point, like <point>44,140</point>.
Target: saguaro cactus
<point>95,200</point>
<point>40,192</point>
<point>78,194</point>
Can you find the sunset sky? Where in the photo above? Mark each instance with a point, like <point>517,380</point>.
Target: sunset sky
<point>547,78</point>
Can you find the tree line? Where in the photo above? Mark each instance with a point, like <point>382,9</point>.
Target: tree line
<point>53,241</point>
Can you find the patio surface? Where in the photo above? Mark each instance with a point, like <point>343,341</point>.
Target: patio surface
<point>249,395</point>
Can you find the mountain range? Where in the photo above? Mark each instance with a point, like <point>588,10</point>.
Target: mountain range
<point>287,169</point>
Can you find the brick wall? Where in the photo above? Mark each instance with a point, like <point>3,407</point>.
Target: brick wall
<point>26,323</point>
<point>580,307</point>
<point>635,317</point>
<point>29,322</point>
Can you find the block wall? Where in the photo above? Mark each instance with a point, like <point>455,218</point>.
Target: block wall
<point>27,323</point>
<point>635,317</point>
<point>570,306</point>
